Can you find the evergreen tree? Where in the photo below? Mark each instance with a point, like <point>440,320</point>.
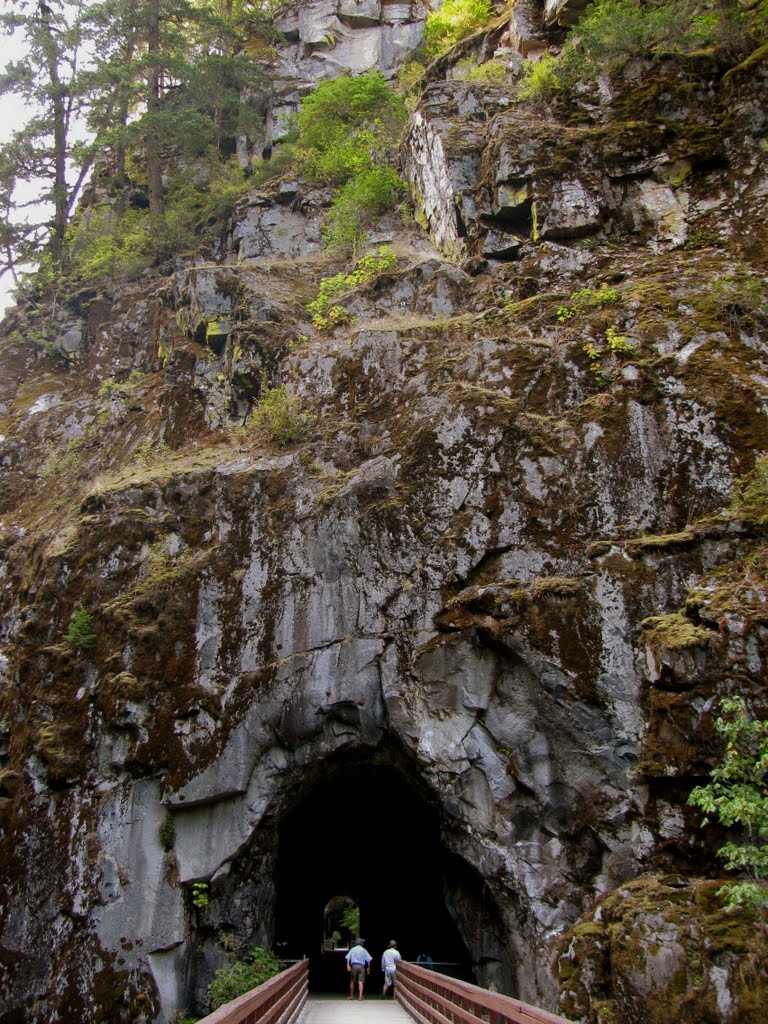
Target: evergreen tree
<point>160,79</point>
<point>48,148</point>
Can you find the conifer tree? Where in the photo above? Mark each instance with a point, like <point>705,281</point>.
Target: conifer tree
<point>159,79</point>
<point>47,148</point>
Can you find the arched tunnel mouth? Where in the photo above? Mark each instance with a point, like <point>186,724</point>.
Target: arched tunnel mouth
<point>363,835</point>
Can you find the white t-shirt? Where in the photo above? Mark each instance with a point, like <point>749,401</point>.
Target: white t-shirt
<point>389,959</point>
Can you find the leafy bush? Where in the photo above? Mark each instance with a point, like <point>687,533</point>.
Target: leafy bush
<point>201,894</point>
<point>490,72</point>
<point>345,130</point>
<point>587,298</point>
<point>737,795</point>
<point>280,415</point>
<point>455,20</point>
<point>350,919</point>
<point>346,125</point>
<point>167,833</point>
<point>196,201</point>
<point>737,294</point>
<point>280,160</point>
<point>540,78</point>
<point>611,31</point>
<point>241,976</point>
<point>80,635</point>
<point>326,316</point>
<point>618,342</point>
<point>358,204</point>
<point>61,461</point>
<point>410,78</point>
<point>109,245</point>
<point>750,496</point>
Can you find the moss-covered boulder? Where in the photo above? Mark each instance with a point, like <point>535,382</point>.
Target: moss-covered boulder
<point>663,948</point>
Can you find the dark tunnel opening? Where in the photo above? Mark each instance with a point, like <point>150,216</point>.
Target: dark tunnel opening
<point>364,835</point>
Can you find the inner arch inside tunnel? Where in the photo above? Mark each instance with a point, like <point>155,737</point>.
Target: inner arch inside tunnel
<point>365,834</point>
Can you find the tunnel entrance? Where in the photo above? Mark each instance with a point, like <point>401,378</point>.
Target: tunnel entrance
<point>363,837</point>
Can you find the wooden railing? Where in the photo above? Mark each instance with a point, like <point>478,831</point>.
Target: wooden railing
<point>277,1001</point>
<point>432,998</point>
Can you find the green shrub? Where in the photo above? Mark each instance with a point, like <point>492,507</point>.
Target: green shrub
<point>410,78</point>
<point>345,130</point>
<point>109,246</point>
<point>112,386</point>
<point>346,125</point>
<point>455,20</point>
<point>738,294</point>
<point>587,298</point>
<point>618,342</point>
<point>324,314</point>
<point>263,170</point>
<point>63,460</point>
<point>611,31</point>
<point>280,415</point>
<point>80,634</point>
<point>356,206</point>
<point>167,833</point>
<point>241,976</point>
<point>750,495</point>
<point>201,894</point>
<point>490,72</point>
<point>540,78</point>
<point>196,201</point>
<point>737,797</point>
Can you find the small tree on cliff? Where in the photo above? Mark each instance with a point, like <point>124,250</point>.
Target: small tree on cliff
<point>454,21</point>
<point>737,796</point>
<point>241,976</point>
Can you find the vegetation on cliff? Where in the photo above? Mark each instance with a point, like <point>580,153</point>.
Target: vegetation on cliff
<point>612,31</point>
<point>122,84</point>
<point>453,21</point>
<point>241,976</point>
<point>737,796</point>
<point>346,130</point>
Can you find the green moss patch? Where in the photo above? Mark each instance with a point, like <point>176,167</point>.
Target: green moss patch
<point>674,632</point>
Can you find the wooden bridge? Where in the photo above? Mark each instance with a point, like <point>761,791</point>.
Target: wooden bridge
<point>421,995</point>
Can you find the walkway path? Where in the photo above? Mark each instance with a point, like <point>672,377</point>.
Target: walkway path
<point>334,1010</point>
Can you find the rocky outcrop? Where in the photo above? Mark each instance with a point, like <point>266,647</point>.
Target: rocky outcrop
<point>676,950</point>
<point>486,178</point>
<point>491,576</point>
<point>325,38</point>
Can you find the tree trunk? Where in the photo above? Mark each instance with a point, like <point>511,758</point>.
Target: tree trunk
<point>59,108</point>
<point>154,167</point>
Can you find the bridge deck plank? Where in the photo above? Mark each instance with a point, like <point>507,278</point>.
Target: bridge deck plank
<point>335,1010</point>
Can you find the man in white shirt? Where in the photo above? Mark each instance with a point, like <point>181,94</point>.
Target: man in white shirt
<point>389,959</point>
<point>358,965</point>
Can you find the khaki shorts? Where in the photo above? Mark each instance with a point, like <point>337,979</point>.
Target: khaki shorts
<point>358,972</point>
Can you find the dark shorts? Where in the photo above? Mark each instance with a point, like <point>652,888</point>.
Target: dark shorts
<point>358,972</point>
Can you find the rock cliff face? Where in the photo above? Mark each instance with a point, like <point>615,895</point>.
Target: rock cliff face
<point>500,575</point>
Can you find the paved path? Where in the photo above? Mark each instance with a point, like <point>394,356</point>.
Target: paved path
<point>370,1010</point>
